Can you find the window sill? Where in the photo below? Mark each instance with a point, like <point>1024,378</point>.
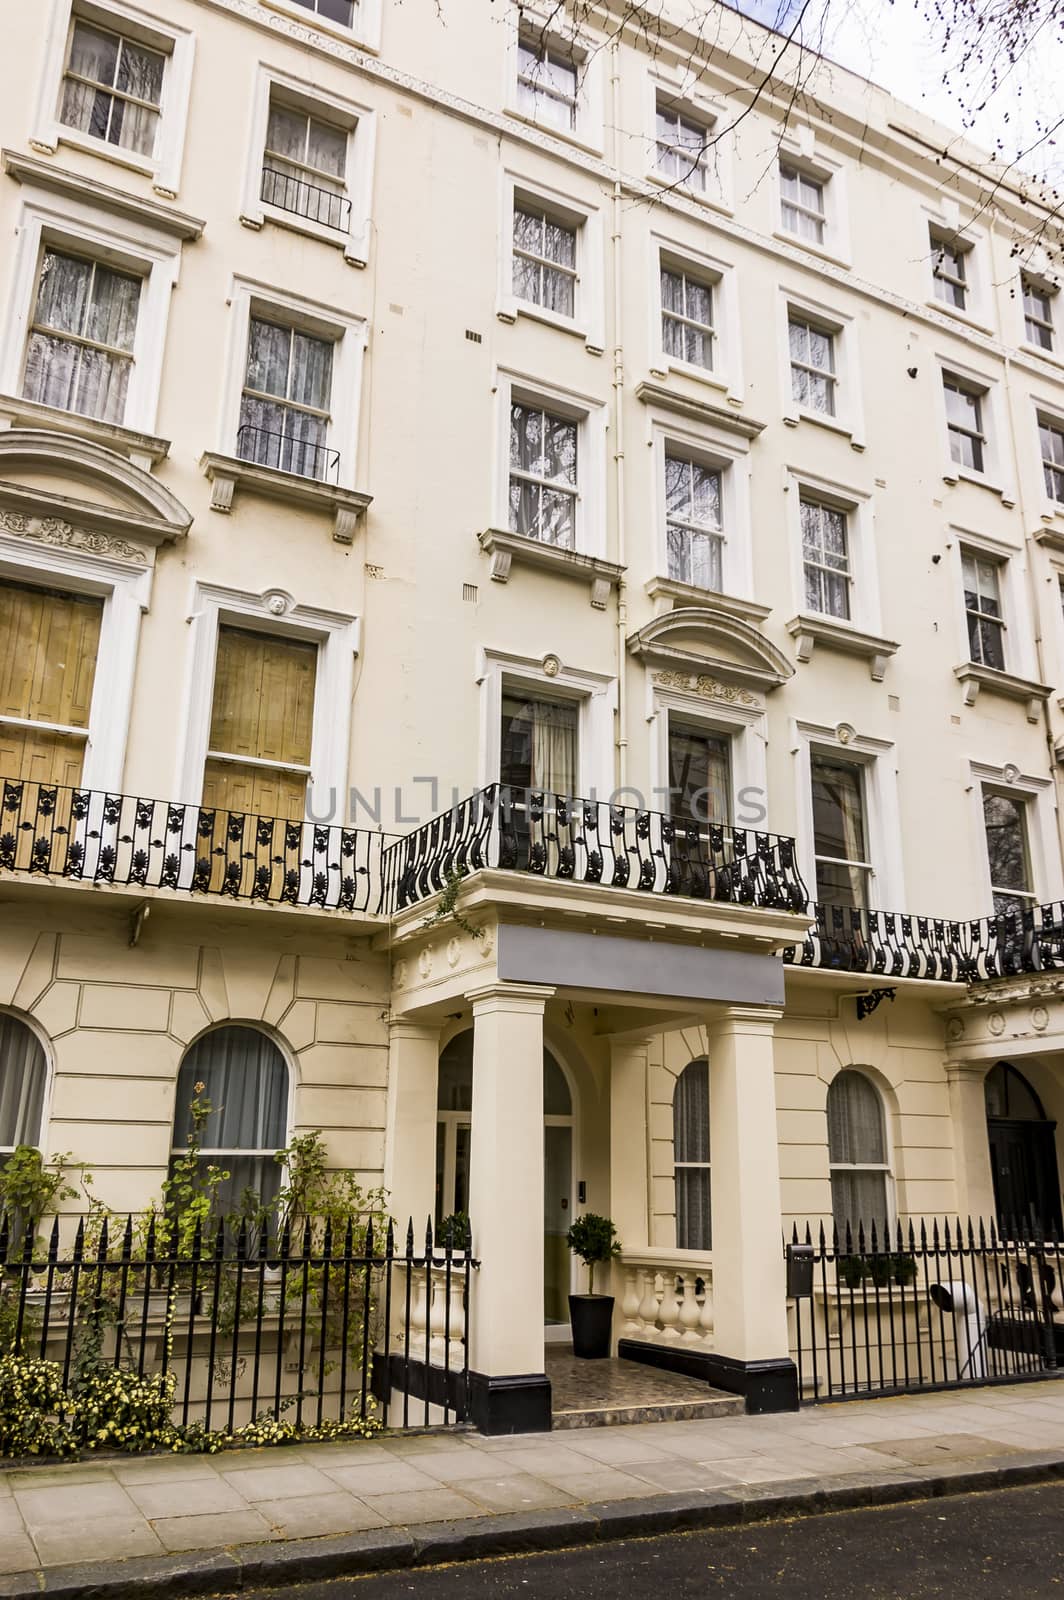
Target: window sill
<point>1054,357</point>
<point>669,594</point>
<point>676,186</point>
<point>313,23</point>
<point>100,197</point>
<point>505,548</point>
<point>965,318</point>
<point>978,480</point>
<point>510,309</point>
<point>822,252</point>
<point>667,366</point>
<point>1006,684</point>
<point>1051,535</point>
<point>59,134</point>
<point>257,218</point>
<point>655,394</point>
<point>808,630</point>
<point>143,449</point>
<point>227,473</point>
<point>822,420</point>
<point>567,136</point>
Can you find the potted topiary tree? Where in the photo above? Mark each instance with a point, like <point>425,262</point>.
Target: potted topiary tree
<point>594,1240</point>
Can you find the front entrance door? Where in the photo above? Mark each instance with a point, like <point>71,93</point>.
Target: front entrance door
<point>1023,1160</point>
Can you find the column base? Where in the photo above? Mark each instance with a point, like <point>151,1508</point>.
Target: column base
<point>764,1385</point>
<point>510,1404</point>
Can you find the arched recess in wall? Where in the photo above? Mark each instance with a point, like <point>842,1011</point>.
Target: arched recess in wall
<point>24,1082</point>
<point>248,1081</point>
<point>862,1183</point>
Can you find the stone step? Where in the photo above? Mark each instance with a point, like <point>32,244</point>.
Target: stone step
<point>600,1394</point>
<point>721,1405</point>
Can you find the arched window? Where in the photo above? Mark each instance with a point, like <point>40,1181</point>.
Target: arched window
<point>690,1153</point>
<point>245,1079</point>
<point>857,1153</point>
<point>23,1075</point>
<point>1009,1095</point>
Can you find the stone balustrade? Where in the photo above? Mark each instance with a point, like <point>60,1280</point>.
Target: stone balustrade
<point>667,1298</point>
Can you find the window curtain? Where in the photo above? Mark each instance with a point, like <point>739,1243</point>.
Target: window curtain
<point>690,1136</point>
<point>839,835</point>
<point>293,367</point>
<point>543,448</point>
<point>116,63</point>
<point>699,776</point>
<point>81,299</point>
<point>23,1074</point>
<point>553,748</point>
<point>857,1138</point>
<point>246,1081</point>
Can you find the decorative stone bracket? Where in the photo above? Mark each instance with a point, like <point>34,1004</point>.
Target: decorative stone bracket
<point>226,473</point>
<point>505,548</point>
<point>975,678</point>
<point>808,631</point>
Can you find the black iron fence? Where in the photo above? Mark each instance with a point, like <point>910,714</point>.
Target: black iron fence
<point>320,1324</point>
<point>93,837</point>
<point>328,207</point>
<point>265,447</point>
<point>593,842</point>
<point>930,1305</point>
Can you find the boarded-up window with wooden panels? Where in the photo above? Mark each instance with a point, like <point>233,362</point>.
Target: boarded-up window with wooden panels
<point>48,648</point>
<point>258,757</point>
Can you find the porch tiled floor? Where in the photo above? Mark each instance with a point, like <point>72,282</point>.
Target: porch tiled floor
<point>589,1394</point>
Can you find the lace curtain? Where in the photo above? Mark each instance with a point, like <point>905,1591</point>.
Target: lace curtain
<point>81,307</point>
<point>857,1140</point>
<point>690,1137</point>
<point>245,1078</point>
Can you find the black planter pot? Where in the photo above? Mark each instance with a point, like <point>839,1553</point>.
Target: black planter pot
<point>591,1317</point>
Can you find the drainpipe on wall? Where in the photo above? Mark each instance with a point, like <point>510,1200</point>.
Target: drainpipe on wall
<point>618,422</point>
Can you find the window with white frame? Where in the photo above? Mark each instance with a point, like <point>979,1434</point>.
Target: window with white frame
<point>950,269</point>
<point>262,724</point>
<point>802,203</point>
<point>682,145</point>
<point>686,315</point>
<point>23,1081</point>
<point>1051,444</point>
<point>857,1156</point>
<point>814,380</point>
<point>547,82</point>
<point>840,831</point>
<point>112,88</point>
<point>965,421</point>
<point>694,532</point>
<point>1038,301</point>
<point>49,650</point>
<point>691,1158</point>
<point>341,11</point>
<point>1008,852</point>
<point>825,557</point>
<point>243,1076</point>
<point>544,258</point>
<point>285,403</point>
<point>79,353</point>
<point>700,772</point>
<point>543,481</point>
<point>983,610</point>
<point>304,165</point>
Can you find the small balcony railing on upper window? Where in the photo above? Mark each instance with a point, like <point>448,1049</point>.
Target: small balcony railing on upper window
<point>327,207</point>
<point>305,459</point>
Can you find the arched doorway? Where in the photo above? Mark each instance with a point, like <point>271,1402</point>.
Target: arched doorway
<point>1023,1151</point>
<point>453,1135</point>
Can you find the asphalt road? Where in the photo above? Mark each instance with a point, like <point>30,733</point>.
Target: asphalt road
<point>1004,1546</point>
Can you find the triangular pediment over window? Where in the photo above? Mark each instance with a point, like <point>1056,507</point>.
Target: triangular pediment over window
<point>704,641</point>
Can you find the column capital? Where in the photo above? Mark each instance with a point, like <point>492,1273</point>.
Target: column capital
<point>960,1071</point>
<point>528,997</point>
<point>744,1019</point>
<point>404,1028</point>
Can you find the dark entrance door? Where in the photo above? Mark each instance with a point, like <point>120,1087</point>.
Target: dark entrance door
<point>1023,1159</point>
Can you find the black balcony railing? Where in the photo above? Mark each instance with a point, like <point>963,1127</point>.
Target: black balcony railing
<point>92,837</point>
<point>892,944</point>
<point>266,448</point>
<point>592,842</point>
<point>303,199</point>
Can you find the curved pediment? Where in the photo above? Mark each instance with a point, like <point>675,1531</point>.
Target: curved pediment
<point>703,640</point>
<point>53,478</point>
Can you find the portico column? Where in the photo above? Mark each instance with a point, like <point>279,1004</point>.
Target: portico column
<point>749,1280</point>
<point>410,1134</point>
<point>509,1391</point>
<point>971,1146</point>
<point>628,1141</point>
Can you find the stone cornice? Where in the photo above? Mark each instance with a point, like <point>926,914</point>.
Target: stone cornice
<point>72,186</point>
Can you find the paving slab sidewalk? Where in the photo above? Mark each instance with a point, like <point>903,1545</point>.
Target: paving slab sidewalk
<point>205,1524</point>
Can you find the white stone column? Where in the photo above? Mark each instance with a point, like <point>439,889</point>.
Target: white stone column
<point>749,1278</point>
<point>506,1195</point>
<point>629,1154</point>
<point>971,1146</point>
<point>410,1135</point>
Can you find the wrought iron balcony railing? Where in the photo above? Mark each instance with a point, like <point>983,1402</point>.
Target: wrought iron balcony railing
<point>92,837</point>
<point>263,447</point>
<point>303,199</point>
<point>592,842</point>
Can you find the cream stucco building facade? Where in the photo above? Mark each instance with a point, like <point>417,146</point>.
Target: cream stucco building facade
<point>396,404</point>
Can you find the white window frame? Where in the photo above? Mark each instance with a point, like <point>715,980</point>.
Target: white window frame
<point>992,412</point>
<point>744,726</point>
<point>689,98</point>
<point>534,21</point>
<point>28,1020</point>
<point>129,246</point>
<point>942,240</point>
<point>125,589</point>
<point>1036,794</point>
<point>731,458</point>
<point>255,1025</point>
<point>176,43</point>
<point>945,223</point>
<point>1051,414</point>
<point>365,30</point>
<point>275,613</point>
<point>887,1167</point>
<point>585,219</point>
<point>348,334</point>
<point>361,124</point>
<point>859,508</point>
<point>1018,626</point>
<point>594,693</point>
<point>726,374</point>
<point>849,414</point>
<point>1042,285</point>
<point>590,418</point>
<point>801,153</point>
<point>886,888</point>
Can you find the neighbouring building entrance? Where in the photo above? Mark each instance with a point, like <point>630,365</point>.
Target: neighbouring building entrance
<point>1023,1152</point>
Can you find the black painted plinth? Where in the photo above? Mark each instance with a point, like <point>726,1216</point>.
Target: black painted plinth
<point>518,1403</point>
<point>764,1385</point>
